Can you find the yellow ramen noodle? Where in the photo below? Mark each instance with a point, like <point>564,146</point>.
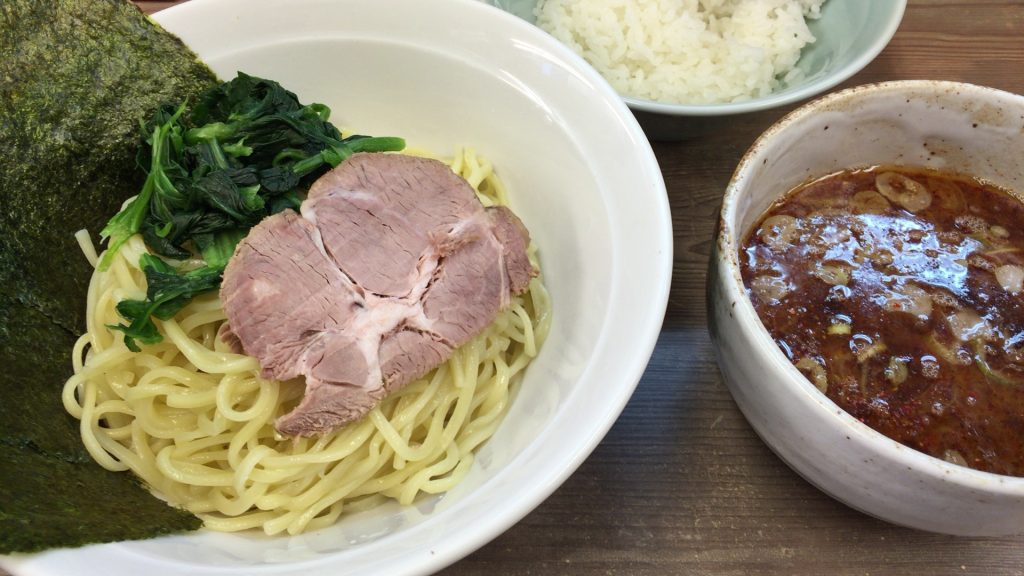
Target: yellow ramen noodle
<point>195,421</point>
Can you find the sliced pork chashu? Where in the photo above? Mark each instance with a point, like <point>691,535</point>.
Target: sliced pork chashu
<point>392,264</point>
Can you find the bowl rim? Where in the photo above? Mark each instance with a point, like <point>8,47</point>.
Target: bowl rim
<point>774,100</point>
<point>464,539</point>
<point>795,384</point>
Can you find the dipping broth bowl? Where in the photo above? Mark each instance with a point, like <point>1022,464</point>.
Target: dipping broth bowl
<point>946,126</point>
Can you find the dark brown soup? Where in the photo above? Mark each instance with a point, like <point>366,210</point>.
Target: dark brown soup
<point>899,294</point>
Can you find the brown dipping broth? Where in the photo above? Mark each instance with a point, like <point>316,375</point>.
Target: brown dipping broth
<point>898,292</point>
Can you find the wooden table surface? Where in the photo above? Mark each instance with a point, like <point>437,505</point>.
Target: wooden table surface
<point>682,484</point>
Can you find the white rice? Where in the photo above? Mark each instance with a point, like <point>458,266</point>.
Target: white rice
<point>686,51</point>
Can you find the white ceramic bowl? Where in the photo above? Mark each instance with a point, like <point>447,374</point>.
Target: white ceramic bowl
<point>581,175</point>
<point>941,125</point>
<point>849,35</point>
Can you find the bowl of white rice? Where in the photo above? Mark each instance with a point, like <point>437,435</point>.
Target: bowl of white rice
<point>717,57</point>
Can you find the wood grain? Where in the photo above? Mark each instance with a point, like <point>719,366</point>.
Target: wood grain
<point>682,484</point>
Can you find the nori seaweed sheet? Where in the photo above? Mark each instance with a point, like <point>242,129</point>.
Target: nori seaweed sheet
<point>76,79</point>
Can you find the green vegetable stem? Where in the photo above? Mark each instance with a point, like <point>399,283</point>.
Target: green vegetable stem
<point>167,292</point>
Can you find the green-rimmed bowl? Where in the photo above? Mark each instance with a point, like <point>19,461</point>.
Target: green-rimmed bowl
<point>850,34</point>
